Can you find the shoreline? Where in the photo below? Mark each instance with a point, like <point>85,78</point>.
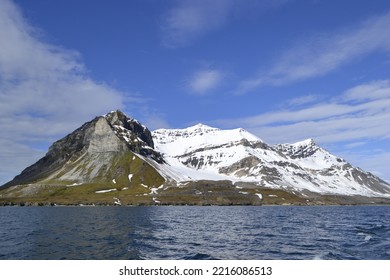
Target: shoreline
<point>186,205</point>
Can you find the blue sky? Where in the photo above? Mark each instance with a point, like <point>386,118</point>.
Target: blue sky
<point>284,70</point>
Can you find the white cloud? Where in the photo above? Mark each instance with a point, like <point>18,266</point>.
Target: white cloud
<point>189,20</point>
<point>324,53</point>
<point>44,91</point>
<point>355,145</point>
<point>351,117</point>
<point>370,91</point>
<point>204,81</point>
<point>304,100</point>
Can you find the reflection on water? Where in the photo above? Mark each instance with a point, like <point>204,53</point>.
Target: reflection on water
<point>195,232</point>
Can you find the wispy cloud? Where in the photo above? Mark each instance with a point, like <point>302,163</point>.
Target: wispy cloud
<point>45,91</point>
<point>324,53</point>
<point>304,100</point>
<point>360,113</point>
<point>204,81</point>
<point>189,20</point>
<point>377,90</point>
<point>355,145</point>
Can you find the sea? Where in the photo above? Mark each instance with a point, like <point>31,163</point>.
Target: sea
<point>191,232</point>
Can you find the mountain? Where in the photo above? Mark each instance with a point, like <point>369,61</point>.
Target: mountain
<point>114,159</point>
<point>203,152</point>
<point>102,158</point>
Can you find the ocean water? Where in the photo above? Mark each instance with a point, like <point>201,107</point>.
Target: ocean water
<point>286,233</point>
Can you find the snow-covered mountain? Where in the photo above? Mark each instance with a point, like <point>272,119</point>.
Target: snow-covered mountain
<point>115,159</point>
<point>203,152</point>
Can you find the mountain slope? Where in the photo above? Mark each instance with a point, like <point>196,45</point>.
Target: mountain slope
<point>203,152</point>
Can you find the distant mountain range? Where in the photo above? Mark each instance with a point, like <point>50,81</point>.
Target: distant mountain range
<point>114,159</point>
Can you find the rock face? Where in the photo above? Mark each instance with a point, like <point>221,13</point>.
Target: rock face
<point>86,153</point>
<point>103,140</point>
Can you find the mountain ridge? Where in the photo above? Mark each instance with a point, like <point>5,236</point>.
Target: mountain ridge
<point>116,155</point>
<point>238,155</point>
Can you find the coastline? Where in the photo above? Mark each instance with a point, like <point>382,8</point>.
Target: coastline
<point>194,194</point>
<point>50,204</point>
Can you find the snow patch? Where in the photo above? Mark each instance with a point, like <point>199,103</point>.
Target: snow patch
<point>71,185</point>
<point>106,191</point>
<point>117,201</point>
<point>259,195</point>
<point>155,190</point>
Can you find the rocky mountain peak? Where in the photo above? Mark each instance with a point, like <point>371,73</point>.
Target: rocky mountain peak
<point>306,142</point>
<point>198,129</point>
<point>301,149</point>
<point>129,129</point>
<point>116,117</point>
<point>201,126</point>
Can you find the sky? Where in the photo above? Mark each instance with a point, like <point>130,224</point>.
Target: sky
<point>285,70</point>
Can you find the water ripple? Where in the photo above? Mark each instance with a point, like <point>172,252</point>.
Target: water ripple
<point>195,232</point>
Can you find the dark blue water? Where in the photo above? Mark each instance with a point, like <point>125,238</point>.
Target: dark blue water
<point>195,232</point>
